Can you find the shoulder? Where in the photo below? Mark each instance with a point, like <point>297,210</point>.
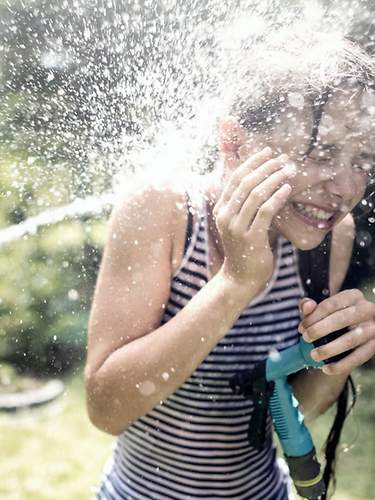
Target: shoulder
<point>155,203</point>
<point>147,213</point>
<point>341,251</point>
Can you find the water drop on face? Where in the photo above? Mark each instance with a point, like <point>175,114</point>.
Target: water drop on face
<point>165,376</point>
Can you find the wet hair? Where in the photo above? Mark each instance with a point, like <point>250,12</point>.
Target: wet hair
<point>292,71</point>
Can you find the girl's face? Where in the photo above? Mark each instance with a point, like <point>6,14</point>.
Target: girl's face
<point>332,180</point>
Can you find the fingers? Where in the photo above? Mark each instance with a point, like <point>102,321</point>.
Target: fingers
<point>348,341</point>
<point>247,166</point>
<point>263,219</point>
<point>253,190</point>
<point>335,312</point>
<point>266,198</point>
<point>307,306</point>
<point>357,358</point>
<point>341,319</point>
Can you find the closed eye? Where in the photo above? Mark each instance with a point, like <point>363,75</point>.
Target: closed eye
<point>365,162</point>
<point>321,158</point>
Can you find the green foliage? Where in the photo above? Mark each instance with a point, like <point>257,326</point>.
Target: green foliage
<point>46,279</point>
<point>46,287</point>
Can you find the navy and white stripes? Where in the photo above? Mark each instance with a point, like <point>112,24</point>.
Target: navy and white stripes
<point>194,445</point>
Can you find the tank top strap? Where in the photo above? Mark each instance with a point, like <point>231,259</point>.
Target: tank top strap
<point>189,228</point>
<point>195,229</point>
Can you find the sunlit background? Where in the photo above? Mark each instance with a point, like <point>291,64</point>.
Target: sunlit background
<point>93,93</point>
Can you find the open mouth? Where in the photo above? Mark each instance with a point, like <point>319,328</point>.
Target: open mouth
<point>316,217</point>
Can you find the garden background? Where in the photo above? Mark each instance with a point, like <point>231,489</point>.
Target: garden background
<point>74,96</point>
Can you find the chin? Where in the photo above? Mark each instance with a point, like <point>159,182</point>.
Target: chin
<point>306,240</point>
<point>303,232</point>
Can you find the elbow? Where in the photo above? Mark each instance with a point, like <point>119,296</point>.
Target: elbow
<point>102,412</point>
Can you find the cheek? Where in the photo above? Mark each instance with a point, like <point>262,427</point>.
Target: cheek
<point>302,181</point>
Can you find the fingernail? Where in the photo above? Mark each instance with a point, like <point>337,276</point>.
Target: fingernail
<point>290,169</point>
<point>326,370</point>
<point>302,303</point>
<point>314,355</point>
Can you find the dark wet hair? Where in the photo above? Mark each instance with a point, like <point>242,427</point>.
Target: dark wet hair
<point>306,67</point>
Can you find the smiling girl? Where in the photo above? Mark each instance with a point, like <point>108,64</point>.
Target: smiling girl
<point>187,297</point>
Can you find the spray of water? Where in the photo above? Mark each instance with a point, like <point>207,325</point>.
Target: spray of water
<point>109,88</point>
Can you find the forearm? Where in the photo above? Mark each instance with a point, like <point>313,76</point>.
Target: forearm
<point>136,377</point>
<point>316,391</point>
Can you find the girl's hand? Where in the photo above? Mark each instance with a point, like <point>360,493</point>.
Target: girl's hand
<point>255,193</point>
<point>350,309</point>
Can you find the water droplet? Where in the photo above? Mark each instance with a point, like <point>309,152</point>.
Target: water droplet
<point>274,354</point>
<point>147,388</point>
<point>296,100</point>
<point>73,294</point>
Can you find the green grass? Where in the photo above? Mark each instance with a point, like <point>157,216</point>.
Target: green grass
<point>52,452</point>
<point>55,453</point>
<point>356,464</point>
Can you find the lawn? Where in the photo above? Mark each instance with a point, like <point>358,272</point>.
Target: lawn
<point>55,453</point>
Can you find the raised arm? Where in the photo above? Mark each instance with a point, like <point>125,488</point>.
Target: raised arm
<point>129,353</point>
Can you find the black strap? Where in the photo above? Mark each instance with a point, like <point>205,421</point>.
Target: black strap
<point>189,228</point>
<point>252,384</point>
<point>314,269</point>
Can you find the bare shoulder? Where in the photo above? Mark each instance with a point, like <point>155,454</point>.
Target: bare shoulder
<point>341,251</point>
<point>150,212</point>
<point>149,202</point>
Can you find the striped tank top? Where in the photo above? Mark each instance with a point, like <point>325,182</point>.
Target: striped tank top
<point>194,444</point>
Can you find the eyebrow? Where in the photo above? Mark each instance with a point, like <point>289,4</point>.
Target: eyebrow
<point>327,148</point>
<point>330,147</point>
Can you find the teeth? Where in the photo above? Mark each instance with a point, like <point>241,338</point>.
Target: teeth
<point>316,213</point>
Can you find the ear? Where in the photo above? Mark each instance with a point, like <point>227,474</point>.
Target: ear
<point>231,136</point>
